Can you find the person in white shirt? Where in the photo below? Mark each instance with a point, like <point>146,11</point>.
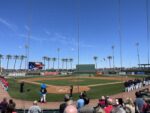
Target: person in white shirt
<point>35,108</point>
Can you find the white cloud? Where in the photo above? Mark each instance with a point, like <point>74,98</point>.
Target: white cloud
<point>9,25</point>
<point>57,37</point>
<point>47,32</point>
<point>33,37</point>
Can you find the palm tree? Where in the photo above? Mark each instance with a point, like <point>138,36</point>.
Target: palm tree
<point>8,57</point>
<point>70,60</point>
<point>22,57</point>
<point>63,60</point>
<point>16,57</point>
<point>66,60</point>
<point>44,58</point>
<point>58,50</point>
<point>95,59</point>
<point>109,58</point>
<point>48,60</point>
<point>1,57</point>
<point>53,59</point>
<point>138,55</point>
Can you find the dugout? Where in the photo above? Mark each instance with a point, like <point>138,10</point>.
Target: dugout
<point>85,69</point>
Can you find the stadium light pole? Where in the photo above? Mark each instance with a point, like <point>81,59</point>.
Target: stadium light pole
<point>138,55</point>
<point>27,56</point>
<point>58,50</point>
<point>113,47</point>
<point>147,15</point>
<point>78,34</point>
<point>120,34</point>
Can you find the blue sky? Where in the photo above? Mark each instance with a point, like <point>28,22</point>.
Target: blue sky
<point>53,24</point>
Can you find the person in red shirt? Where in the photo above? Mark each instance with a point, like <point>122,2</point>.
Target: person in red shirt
<point>109,106</point>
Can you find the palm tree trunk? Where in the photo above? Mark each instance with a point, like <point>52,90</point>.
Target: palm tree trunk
<point>48,64</point>
<point>53,64</point>
<point>66,65</point>
<point>15,63</point>
<point>21,64</point>
<point>44,64</point>
<point>95,64</point>
<point>71,65</point>
<point>109,63</point>
<point>62,65</point>
<point>138,55</point>
<point>7,63</point>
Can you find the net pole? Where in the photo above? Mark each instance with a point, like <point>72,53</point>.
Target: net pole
<point>147,31</point>
<point>78,36</point>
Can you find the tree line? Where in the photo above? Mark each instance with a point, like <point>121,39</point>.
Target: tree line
<point>46,59</point>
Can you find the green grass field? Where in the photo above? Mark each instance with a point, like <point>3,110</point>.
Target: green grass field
<point>32,91</point>
<point>77,81</point>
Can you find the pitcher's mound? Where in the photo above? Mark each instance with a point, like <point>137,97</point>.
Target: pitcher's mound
<point>66,89</point>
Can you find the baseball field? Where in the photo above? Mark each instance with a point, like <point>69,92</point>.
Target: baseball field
<point>57,86</point>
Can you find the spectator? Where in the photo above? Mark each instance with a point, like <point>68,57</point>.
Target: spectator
<point>35,108</point>
<point>129,106</point>
<point>86,108</point>
<point>11,106</point>
<point>109,106</point>
<point>3,105</point>
<point>99,110</point>
<point>84,94</point>
<point>85,98</point>
<point>63,105</point>
<point>71,109</point>
<point>146,107</point>
<point>118,108</point>
<point>80,102</point>
<point>139,102</point>
<point>102,102</point>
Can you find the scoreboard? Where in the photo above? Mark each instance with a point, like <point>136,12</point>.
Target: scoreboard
<point>85,68</point>
<point>35,65</point>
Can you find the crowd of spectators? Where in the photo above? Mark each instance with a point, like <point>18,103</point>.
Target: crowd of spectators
<point>104,105</point>
<point>7,107</point>
<point>136,84</point>
<point>4,83</point>
<point>107,104</point>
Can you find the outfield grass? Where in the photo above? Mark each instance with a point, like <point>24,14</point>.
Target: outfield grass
<point>137,76</point>
<point>76,81</point>
<point>34,94</point>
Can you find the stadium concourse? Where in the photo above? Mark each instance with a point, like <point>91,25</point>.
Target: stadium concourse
<point>21,104</point>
